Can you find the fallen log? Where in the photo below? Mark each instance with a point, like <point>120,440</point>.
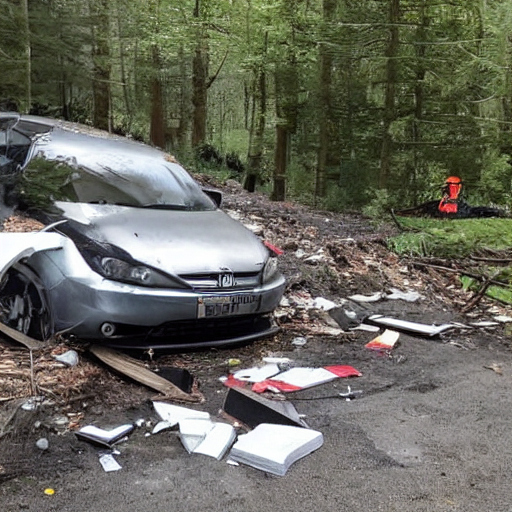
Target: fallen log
<point>136,371</point>
<point>18,336</point>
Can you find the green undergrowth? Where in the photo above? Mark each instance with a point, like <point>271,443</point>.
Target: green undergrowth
<point>451,238</point>
<point>457,239</point>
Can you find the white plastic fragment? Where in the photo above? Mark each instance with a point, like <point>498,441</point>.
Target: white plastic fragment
<point>273,448</point>
<point>306,377</point>
<point>277,360</point>
<point>206,437</point>
<point>367,298</point>
<point>325,304</point>
<point>174,413</point>
<point>109,463</point>
<point>161,426</point>
<point>299,341</point>
<point>504,319</point>
<point>408,296</point>
<point>32,403</point>
<point>69,358</point>
<point>484,323</point>
<point>42,443</point>
<point>366,328</point>
<point>257,374</point>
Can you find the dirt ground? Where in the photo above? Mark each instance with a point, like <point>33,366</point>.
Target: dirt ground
<point>430,431</point>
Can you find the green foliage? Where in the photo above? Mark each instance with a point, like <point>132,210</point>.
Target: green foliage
<point>451,111</point>
<point>451,238</point>
<point>380,204</point>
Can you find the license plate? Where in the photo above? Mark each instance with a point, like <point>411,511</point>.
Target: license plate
<point>226,305</point>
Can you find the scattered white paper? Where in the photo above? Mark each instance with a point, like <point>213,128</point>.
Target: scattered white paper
<point>173,414</point>
<point>305,377</point>
<point>194,431</point>
<point>257,374</point>
<point>274,448</point>
<point>321,303</point>
<point>217,441</point>
<point>206,437</point>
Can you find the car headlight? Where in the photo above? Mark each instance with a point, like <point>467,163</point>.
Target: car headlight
<point>119,270</point>
<point>270,270</point>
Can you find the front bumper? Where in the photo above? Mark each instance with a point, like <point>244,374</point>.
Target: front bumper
<point>84,303</point>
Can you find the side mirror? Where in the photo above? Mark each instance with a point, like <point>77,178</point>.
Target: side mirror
<point>214,195</point>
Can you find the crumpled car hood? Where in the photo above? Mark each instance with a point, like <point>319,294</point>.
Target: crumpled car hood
<point>176,242</point>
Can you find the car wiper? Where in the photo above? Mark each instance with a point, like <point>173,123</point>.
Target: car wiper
<point>161,206</point>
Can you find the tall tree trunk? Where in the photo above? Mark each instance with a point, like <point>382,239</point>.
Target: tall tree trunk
<point>418,165</point>
<point>287,87</point>
<point>280,162</point>
<point>389,101</point>
<point>329,8</point>
<point>184,124</point>
<point>101,62</point>
<point>157,126</point>
<point>258,121</point>
<point>122,65</point>
<point>199,81</point>
<point>28,54</point>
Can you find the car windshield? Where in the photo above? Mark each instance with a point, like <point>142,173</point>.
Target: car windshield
<point>78,168</point>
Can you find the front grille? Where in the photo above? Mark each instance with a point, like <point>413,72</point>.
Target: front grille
<point>210,281</point>
<point>204,331</point>
<point>211,329</point>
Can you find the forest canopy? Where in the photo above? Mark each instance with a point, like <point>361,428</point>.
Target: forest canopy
<point>338,103</point>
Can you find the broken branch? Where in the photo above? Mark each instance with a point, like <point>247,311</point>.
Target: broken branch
<point>133,369</point>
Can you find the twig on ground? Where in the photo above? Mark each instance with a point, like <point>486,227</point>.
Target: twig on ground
<point>478,296</point>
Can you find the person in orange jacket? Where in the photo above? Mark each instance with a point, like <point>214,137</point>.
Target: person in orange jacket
<point>451,191</point>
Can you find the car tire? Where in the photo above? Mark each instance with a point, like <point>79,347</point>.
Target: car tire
<point>24,304</point>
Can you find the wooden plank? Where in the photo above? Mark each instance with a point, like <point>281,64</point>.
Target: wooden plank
<point>136,371</point>
<point>18,336</point>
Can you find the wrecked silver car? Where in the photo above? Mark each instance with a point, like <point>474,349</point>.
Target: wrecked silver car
<point>134,252</point>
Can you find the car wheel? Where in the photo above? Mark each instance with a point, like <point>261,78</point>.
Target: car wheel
<point>23,303</point>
